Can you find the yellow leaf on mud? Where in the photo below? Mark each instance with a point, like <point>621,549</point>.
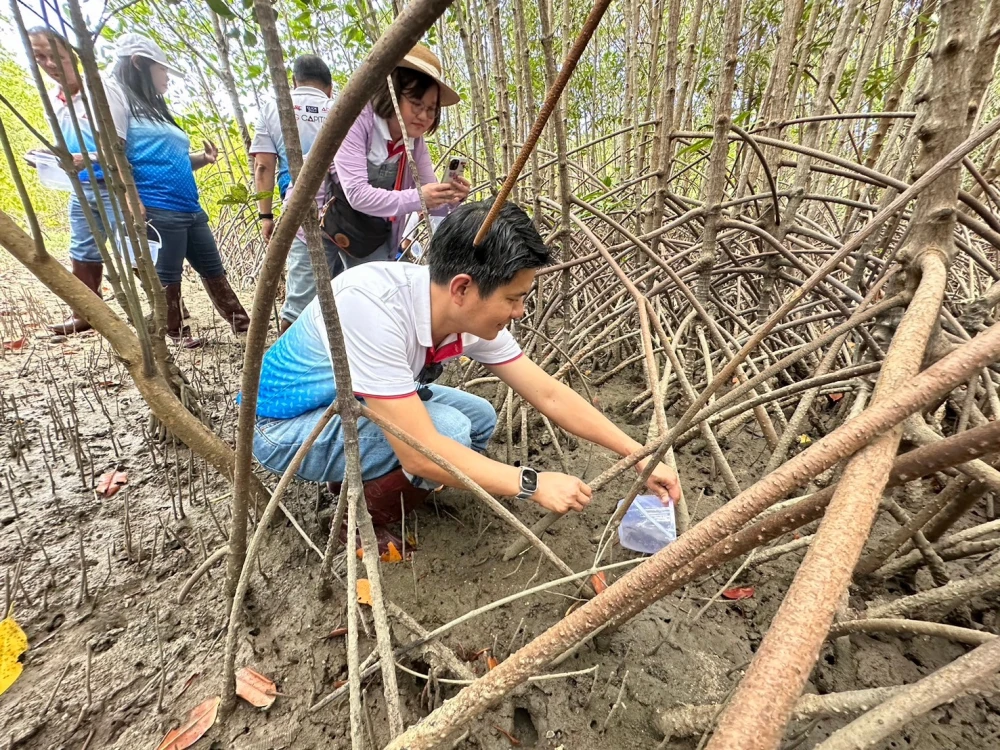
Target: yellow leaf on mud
<point>805,439</point>
<point>199,721</point>
<point>391,555</point>
<point>255,688</point>
<point>13,643</point>
<point>364,591</point>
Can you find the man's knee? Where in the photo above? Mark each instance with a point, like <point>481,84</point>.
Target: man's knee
<point>451,423</point>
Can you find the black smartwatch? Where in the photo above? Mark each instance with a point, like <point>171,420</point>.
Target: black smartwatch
<point>528,483</point>
<point>263,216</point>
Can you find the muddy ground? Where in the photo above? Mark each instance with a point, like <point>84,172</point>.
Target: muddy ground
<point>140,546</point>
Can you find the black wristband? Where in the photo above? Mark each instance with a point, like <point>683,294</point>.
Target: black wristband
<point>265,216</point>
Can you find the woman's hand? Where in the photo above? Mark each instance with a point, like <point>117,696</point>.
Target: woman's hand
<point>461,188</point>
<point>437,194</point>
<point>662,482</point>
<point>211,152</point>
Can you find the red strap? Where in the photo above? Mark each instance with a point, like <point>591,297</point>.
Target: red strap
<point>448,351</point>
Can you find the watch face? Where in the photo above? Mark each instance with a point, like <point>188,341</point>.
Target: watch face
<point>529,480</point>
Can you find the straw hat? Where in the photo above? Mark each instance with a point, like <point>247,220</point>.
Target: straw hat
<point>424,61</point>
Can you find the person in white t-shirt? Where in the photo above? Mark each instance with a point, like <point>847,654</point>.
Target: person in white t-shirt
<point>401,321</point>
<point>313,87</point>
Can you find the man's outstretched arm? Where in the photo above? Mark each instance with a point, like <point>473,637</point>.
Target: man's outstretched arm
<point>556,491</point>
<point>575,414</point>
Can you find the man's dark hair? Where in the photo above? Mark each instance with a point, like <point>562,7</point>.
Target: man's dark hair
<point>137,83</point>
<point>311,69</point>
<point>511,245</point>
<point>409,83</point>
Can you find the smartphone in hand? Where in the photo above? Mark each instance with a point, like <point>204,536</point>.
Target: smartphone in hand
<point>456,168</point>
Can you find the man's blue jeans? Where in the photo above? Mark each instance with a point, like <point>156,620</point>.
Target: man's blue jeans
<point>461,416</point>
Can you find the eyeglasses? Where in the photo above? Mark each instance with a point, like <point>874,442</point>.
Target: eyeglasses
<point>419,108</point>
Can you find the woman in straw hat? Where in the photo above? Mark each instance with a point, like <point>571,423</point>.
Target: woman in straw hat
<point>370,189</point>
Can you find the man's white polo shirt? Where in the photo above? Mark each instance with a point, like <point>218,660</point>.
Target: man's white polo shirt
<point>311,107</point>
<point>385,314</point>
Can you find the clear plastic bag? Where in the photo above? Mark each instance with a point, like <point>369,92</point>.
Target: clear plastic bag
<point>648,525</point>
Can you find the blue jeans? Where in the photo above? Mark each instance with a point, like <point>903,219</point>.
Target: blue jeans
<point>184,235</point>
<point>461,416</point>
<point>82,242</point>
<point>300,284</point>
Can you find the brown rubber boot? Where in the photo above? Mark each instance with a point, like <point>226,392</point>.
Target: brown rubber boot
<point>176,331</point>
<point>388,497</point>
<point>227,303</point>
<point>91,274</point>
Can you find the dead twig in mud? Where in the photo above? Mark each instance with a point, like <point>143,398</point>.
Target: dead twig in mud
<point>688,721</point>
<point>900,627</point>
<point>209,562</point>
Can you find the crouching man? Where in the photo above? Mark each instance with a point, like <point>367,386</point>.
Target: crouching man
<point>401,322</point>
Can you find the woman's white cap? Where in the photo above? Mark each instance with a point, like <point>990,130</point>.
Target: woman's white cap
<point>137,44</point>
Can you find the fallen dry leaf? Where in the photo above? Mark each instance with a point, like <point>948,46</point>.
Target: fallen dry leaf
<point>337,633</point>
<point>364,591</point>
<point>737,594</point>
<point>805,439</point>
<point>492,662</point>
<point>255,688</point>
<point>510,738</point>
<point>199,721</point>
<point>16,345</point>
<point>110,482</point>
<point>392,555</point>
<point>835,397</point>
<point>13,643</point>
<point>599,582</point>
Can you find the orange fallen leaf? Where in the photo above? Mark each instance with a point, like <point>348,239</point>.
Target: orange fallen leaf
<point>199,721</point>
<point>835,397</point>
<point>110,482</point>
<point>510,738</point>
<point>599,582</point>
<point>338,633</point>
<point>364,591</point>
<point>359,553</point>
<point>392,555</point>
<point>492,662</point>
<point>737,594</point>
<point>339,684</point>
<point>255,688</point>
<point>16,345</point>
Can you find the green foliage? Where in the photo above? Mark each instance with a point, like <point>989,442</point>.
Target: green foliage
<point>221,7</point>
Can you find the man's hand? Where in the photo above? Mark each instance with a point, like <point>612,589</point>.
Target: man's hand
<point>662,482</point>
<point>267,229</point>
<point>561,492</point>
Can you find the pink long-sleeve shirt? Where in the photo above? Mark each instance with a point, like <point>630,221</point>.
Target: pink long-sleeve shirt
<point>350,168</point>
